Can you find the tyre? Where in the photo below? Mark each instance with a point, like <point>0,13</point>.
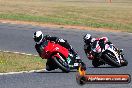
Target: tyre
<point>62,65</point>
<point>111,59</point>
<point>125,62</point>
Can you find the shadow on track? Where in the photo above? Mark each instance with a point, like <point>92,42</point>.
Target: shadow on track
<point>53,71</point>
<point>104,67</point>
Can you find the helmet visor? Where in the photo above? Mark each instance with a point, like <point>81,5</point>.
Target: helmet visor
<point>37,39</point>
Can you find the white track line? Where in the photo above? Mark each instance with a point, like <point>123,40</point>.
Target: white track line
<point>19,53</point>
<point>9,73</point>
<point>41,70</point>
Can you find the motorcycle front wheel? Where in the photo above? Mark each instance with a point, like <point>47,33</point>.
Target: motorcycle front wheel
<point>63,65</point>
<point>125,62</point>
<point>111,59</point>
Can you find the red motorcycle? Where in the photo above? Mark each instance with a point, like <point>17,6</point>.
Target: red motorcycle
<point>60,57</point>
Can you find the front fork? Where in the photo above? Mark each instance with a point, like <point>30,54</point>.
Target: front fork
<point>119,51</point>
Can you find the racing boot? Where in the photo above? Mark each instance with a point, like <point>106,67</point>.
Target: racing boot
<point>50,65</point>
<point>48,68</point>
<point>74,53</point>
<point>76,59</point>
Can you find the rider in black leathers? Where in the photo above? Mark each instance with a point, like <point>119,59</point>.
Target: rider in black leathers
<point>39,39</point>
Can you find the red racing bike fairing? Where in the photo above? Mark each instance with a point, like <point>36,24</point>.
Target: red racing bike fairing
<point>51,47</point>
<point>60,55</point>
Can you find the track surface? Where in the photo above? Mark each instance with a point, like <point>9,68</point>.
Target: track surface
<point>19,38</point>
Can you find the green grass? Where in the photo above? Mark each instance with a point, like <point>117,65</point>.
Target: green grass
<point>92,13</point>
<point>10,62</point>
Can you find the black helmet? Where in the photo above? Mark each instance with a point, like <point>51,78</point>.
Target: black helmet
<point>87,38</point>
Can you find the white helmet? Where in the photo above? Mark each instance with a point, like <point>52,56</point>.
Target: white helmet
<point>38,37</point>
<point>87,38</point>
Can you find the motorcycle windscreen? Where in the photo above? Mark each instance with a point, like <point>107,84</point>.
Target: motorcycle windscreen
<point>96,47</point>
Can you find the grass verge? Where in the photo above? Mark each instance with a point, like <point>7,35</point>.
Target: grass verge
<point>89,13</point>
<point>10,62</point>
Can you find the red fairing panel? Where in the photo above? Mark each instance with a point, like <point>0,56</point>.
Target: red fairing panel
<point>53,47</point>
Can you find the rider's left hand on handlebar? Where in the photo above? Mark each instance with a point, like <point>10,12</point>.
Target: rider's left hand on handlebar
<point>61,40</point>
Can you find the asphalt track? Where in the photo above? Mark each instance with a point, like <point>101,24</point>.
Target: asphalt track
<point>14,37</point>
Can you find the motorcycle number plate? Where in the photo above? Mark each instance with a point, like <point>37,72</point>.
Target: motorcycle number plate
<point>76,64</point>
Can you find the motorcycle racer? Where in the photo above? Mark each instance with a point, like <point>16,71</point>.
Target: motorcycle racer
<point>92,42</point>
<point>39,38</point>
